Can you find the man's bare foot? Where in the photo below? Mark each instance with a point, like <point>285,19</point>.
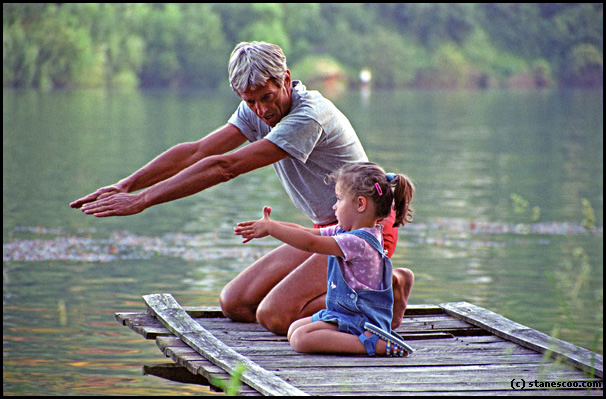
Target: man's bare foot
<point>403,279</point>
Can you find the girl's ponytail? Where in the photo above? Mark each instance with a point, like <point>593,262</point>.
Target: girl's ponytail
<point>403,192</point>
<point>385,190</point>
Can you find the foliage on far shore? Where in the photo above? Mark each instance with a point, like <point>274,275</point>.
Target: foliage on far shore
<point>74,45</point>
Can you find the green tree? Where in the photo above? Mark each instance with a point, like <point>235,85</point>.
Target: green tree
<point>584,65</point>
<point>246,22</point>
<point>161,66</point>
<point>430,24</point>
<point>116,51</point>
<point>201,48</point>
<point>552,32</point>
<point>304,26</point>
<point>165,44</point>
<point>394,62</point>
<point>266,24</point>
<point>41,47</point>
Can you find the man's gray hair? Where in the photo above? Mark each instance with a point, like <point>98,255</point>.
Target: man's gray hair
<point>252,64</point>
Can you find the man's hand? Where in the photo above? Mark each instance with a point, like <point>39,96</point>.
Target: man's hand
<point>255,228</point>
<point>101,193</point>
<point>114,204</point>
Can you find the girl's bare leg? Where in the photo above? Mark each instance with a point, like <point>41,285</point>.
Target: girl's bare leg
<point>323,337</point>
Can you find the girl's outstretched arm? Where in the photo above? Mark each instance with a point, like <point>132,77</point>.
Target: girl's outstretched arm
<point>292,234</point>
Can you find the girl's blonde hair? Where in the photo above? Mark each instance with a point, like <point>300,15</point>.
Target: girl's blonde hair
<point>385,191</point>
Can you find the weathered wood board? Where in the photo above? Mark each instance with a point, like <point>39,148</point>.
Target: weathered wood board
<point>461,349</point>
<point>177,321</point>
<point>527,337</point>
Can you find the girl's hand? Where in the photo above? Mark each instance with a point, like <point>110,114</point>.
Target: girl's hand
<point>255,228</point>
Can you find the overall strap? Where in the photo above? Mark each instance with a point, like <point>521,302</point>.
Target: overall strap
<point>369,238</point>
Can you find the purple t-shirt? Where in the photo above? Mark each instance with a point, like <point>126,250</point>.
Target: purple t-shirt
<point>361,265</point>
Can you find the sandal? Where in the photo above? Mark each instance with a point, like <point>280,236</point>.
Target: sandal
<point>395,345</point>
<point>370,343</point>
<point>394,350</point>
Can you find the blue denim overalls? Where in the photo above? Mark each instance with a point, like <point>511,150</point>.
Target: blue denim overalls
<point>351,309</point>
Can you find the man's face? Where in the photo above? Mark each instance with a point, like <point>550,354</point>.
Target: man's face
<point>269,102</point>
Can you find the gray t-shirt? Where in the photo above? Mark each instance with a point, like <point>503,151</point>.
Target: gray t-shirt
<point>319,140</point>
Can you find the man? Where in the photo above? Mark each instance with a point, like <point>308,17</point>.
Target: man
<point>305,137</point>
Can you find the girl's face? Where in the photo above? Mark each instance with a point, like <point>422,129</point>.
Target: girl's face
<point>345,208</point>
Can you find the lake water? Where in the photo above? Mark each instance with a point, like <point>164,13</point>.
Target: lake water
<point>469,152</point>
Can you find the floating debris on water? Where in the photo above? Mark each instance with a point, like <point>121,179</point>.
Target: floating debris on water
<point>483,227</point>
<point>82,247</point>
<point>124,245</point>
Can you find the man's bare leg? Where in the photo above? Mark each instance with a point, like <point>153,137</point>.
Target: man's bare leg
<point>303,292</point>
<point>300,294</point>
<point>403,279</point>
<point>240,298</point>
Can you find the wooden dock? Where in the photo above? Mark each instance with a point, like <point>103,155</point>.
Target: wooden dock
<point>460,349</point>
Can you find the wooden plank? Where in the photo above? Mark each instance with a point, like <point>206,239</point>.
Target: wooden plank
<point>435,354</point>
<point>194,363</point>
<point>440,323</point>
<point>150,332</point>
<point>582,358</point>
<point>448,391</point>
<point>468,364</point>
<point>174,372</point>
<point>385,385</point>
<point>123,317</point>
<point>425,318</point>
<point>174,318</point>
<point>206,312</point>
<point>171,346</point>
<point>178,373</point>
<point>215,311</point>
<point>485,373</point>
<point>423,379</point>
<point>412,310</point>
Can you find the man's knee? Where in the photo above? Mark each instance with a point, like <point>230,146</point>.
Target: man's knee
<point>403,276</point>
<point>235,307</point>
<point>275,320</point>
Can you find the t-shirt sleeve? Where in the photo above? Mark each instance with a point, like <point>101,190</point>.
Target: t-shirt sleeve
<point>352,246</point>
<point>244,119</point>
<point>296,134</point>
<point>329,231</point>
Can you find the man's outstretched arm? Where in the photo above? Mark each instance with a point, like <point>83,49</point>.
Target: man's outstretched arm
<point>203,174</point>
<point>170,163</point>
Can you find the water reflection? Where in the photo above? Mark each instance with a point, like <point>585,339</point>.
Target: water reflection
<point>65,274</point>
<point>72,344</point>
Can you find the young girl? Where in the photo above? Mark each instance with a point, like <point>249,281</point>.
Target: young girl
<point>359,296</point>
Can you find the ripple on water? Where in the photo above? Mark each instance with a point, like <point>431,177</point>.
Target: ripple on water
<point>83,247</point>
